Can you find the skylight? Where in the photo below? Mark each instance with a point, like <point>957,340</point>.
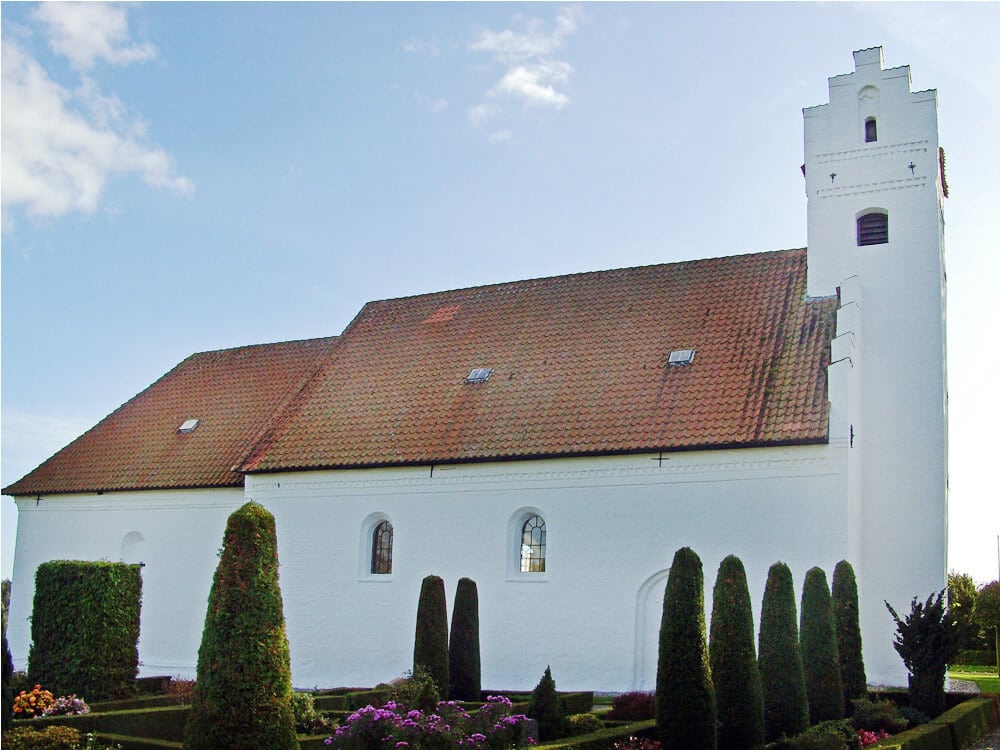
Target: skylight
<point>188,425</point>
<point>479,375</point>
<point>681,357</point>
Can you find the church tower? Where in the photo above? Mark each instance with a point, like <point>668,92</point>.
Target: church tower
<point>876,238</point>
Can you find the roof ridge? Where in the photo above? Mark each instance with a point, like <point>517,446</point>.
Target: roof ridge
<point>261,345</point>
<point>574,275</point>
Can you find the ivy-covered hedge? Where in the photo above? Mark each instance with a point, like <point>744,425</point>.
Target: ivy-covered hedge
<point>85,628</point>
<point>242,697</point>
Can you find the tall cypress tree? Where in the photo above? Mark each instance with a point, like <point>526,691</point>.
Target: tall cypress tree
<point>685,698</point>
<point>786,710</point>
<point>243,695</point>
<point>845,618</point>
<point>733,660</point>
<point>818,638</point>
<point>430,643</point>
<point>463,645</point>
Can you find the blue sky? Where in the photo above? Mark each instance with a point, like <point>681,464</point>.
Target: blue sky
<point>186,177</point>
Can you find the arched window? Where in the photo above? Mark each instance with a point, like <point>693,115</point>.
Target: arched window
<point>871,130</point>
<point>382,549</point>
<point>533,545</point>
<point>873,229</point>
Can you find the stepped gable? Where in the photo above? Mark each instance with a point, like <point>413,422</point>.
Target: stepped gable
<point>579,367</point>
<point>233,393</point>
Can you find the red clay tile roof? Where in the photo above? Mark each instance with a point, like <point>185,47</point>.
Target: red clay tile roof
<point>234,394</point>
<point>579,368</point>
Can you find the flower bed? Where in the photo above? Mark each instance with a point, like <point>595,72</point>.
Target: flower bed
<point>394,727</point>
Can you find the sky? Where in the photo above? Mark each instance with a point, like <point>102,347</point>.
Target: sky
<point>182,177</point>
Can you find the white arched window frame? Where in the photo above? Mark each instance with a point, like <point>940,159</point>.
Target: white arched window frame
<point>528,549</point>
<point>376,545</point>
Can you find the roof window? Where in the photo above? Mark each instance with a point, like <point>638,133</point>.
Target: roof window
<point>680,357</point>
<point>188,425</point>
<point>479,375</point>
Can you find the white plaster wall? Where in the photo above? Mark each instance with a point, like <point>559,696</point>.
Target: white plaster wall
<point>613,525</point>
<point>181,533</point>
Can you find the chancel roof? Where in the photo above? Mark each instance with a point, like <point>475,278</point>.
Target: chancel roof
<point>579,366</point>
<point>234,394</point>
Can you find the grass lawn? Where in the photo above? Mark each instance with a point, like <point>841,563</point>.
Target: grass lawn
<point>985,677</point>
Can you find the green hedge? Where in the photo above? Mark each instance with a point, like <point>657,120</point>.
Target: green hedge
<point>969,721</point>
<point>148,701</point>
<point>243,693</point>
<point>349,701</point>
<point>577,703</point>
<point>924,737</point>
<point>85,628</point>
<point>976,658</point>
<point>165,723</point>
<point>604,738</point>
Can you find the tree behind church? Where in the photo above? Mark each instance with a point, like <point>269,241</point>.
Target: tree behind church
<point>786,710</point>
<point>242,697</point>
<point>430,643</point>
<point>685,697</point>
<point>463,645</point>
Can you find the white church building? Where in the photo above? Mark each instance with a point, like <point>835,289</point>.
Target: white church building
<point>557,439</point>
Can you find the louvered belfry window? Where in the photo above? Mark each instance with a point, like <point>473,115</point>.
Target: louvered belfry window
<point>382,549</point>
<point>873,229</point>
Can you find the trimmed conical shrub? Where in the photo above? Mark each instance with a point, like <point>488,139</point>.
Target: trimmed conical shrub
<point>463,645</point>
<point>242,698</point>
<point>545,708</point>
<point>786,709</point>
<point>845,618</point>
<point>685,698</point>
<point>818,638</point>
<point>733,659</point>
<point>430,642</point>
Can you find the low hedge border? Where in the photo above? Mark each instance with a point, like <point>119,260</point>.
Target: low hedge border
<point>148,701</point>
<point>955,729</point>
<point>603,739</point>
<point>164,723</point>
<point>349,701</point>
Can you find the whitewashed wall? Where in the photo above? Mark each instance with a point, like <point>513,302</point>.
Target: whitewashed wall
<point>176,534</point>
<point>613,525</point>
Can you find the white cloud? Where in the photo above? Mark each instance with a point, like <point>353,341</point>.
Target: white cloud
<point>533,75</point>
<point>480,113</point>
<point>87,32</point>
<point>500,136</point>
<point>535,83</point>
<point>61,146</point>
<point>533,41</point>
<point>415,46</point>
